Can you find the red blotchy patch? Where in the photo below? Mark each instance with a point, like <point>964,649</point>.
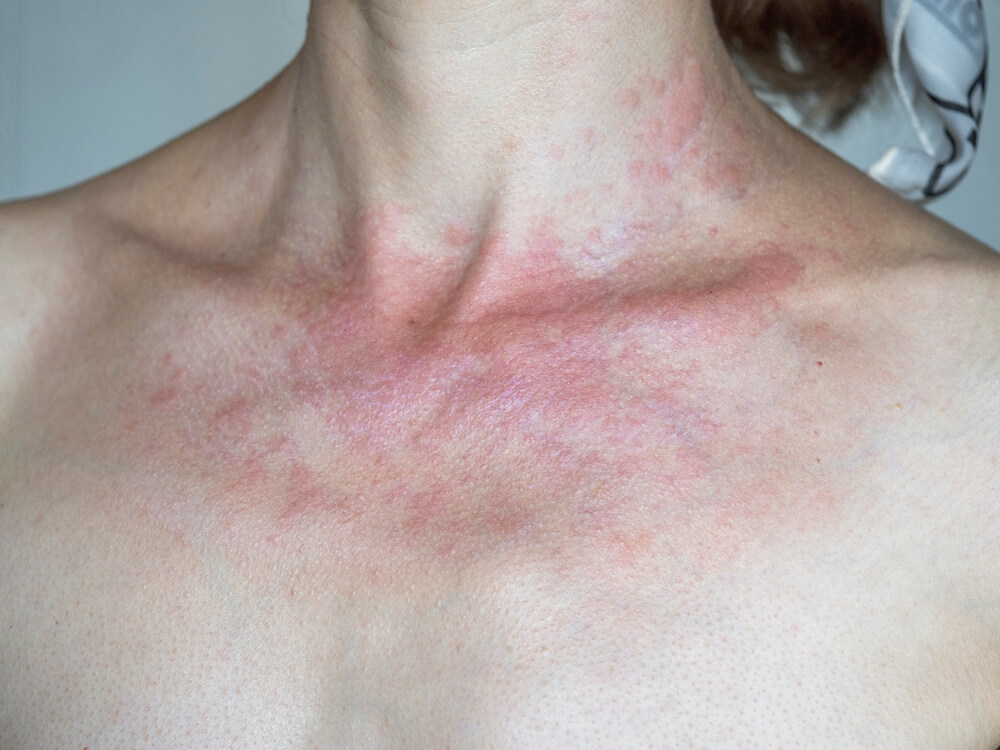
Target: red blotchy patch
<point>171,374</point>
<point>234,418</point>
<point>307,495</point>
<point>652,173</point>
<point>511,431</point>
<point>378,230</point>
<point>542,236</point>
<point>631,550</point>
<point>654,84</point>
<point>424,505</point>
<point>630,98</point>
<point>458,236</point>
<point>163,396</point>
<point>672,128</point>
<point>726,178</point>
<point>667,130</point>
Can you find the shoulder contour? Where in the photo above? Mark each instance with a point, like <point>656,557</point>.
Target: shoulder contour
<point>951,299</point>
<point>961,295</point>
<point>41,267</point>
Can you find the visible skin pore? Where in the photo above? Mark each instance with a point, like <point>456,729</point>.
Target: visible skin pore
<point>500,375</point>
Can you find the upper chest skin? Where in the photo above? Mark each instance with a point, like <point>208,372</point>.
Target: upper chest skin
<point>676,519</point>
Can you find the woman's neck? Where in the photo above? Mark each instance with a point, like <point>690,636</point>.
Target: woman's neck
<point>478,98</point>
<point>431,146</point>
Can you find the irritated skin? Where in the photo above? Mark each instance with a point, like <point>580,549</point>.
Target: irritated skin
<point>495,434</point>
<point>631,422</point>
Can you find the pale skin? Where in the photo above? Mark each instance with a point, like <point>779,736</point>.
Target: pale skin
<point>502,375</point>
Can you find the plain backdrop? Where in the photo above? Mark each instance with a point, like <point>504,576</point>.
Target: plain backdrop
<point>86,85</point>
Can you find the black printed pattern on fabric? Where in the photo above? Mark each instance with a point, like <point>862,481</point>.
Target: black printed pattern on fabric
<point>971,108</point>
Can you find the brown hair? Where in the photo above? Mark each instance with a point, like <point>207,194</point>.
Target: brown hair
<point>826,51</point>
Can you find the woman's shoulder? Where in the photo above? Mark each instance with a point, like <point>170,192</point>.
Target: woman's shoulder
<point>57,254</point>
<point>946,284</point>
<point>41,265</point>
<point>922,289</point>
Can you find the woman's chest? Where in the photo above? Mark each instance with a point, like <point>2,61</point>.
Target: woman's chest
<point>540,543</point>
<point>126,627</point>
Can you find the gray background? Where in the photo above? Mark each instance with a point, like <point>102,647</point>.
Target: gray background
<point>86,85</point>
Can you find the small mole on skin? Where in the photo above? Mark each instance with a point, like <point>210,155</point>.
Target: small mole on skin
<point>819,364</point>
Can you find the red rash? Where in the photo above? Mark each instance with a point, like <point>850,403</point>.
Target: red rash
<point>458,237</point>
<point>560,419</point>
<point>541,429</point>
<point>670,123</point>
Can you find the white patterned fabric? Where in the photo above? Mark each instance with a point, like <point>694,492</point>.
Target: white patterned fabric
<point>938,53</point>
